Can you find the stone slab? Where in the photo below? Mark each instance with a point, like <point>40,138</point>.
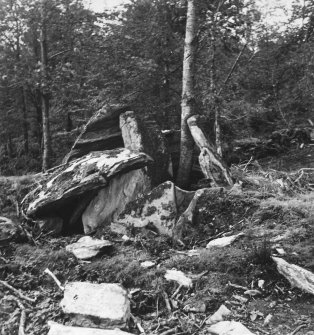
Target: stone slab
<point>96,305</point>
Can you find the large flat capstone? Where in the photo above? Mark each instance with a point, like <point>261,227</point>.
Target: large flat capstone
<point>96,305</point>
<point>57,329</point>
<point>88,173</point>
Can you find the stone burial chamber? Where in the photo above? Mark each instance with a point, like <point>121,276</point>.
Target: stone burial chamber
<point>116,158</point>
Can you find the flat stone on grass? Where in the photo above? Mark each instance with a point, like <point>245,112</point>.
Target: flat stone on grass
<point>57,329</point>
<point>96,305</point>
<point>88,247</point>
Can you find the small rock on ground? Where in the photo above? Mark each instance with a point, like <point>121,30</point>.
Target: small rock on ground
<point>228,328</point>
<point>57,329</point>
<point>87,247</point>
<point>96,305</point>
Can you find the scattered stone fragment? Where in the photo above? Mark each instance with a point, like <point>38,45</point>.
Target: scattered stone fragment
<point>96,305</point>
<point>228,328</point>
<point>280,251</point>
<point>148,264</point>
<point>240,298</point>
<point>219,315</point>
<point>223,241</point>
<point>252,293</point>
<point>261,284</point>
<point>58,329</point>
<point>179,277</point>
<point>195,307</point>
<point>87,247</point>
<point>297,276</point>
<point>267,320</point>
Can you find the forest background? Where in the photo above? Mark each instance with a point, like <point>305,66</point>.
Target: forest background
<point>60,62</point>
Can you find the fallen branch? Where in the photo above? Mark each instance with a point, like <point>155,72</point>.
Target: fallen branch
<point>57,281</point>
<point>21,295</point>
<point>167,302</point>
<point>237,286</point>
<point>23,315</point>
<point>138,324</point>
<point>298,329</point>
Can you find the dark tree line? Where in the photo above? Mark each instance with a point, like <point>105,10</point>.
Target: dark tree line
<point>59,62</point>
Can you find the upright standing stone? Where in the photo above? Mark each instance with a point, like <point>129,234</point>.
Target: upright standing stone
<point>146,136</point>
<point>111,200</point>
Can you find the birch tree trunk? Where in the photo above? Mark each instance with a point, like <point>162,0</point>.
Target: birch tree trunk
<point>188,98</point>
<point>44,94</point>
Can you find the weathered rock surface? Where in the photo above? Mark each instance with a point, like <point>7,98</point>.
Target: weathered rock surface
<point>158,209</point>
<point>111,200</point>
<point>96,305</point>
<point>146,136</point>
<point>88,247</point>
<point>58,329</point>
<point>102,132</point>
<point>223,241</point>
<point>88,173</point>
<point>219,315</point>
<point>208,158</point>
<point>297,276</point>
<point>228,328</point>
<point>179,277</point>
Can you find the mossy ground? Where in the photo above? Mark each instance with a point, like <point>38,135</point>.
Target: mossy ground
<point>268,223</point>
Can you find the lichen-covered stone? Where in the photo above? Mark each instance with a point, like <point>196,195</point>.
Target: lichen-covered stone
<point>158,208</point>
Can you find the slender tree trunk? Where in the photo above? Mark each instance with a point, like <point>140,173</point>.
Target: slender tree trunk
<point>44,94</point>
<point>188,98</point>
<point>25,123</point>
<point>218,140</point>
<point>21,91</point>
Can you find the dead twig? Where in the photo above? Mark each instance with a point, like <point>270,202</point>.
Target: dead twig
<point>57,281</point>
<point>23,315</point>
<point>237,286</point>
<point>176,292</point>
<point>165,295</point>
<point>138,324</point>
<point>303,325</point>
<point>169,331</point>
<point>21,295</point>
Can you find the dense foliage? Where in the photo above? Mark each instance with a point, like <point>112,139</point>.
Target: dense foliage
<point>134,55</point>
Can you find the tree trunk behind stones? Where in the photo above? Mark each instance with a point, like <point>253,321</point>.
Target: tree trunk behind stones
<point>44,94</point>
<point>188,98</point>
<point>208,157</point>
<point>25,123</point>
